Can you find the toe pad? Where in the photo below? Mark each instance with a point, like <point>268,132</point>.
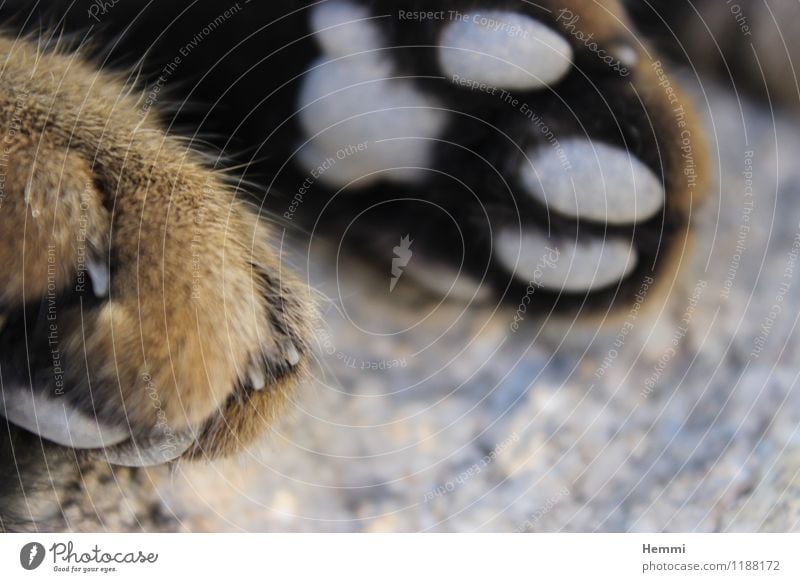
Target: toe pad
<point>504,49</point>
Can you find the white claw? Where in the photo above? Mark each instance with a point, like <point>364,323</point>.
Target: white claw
<point>292,354</point>
<point>593,181</point>
<point>565,265</point>
<point>626,55</point>
<point>258,380</point>
<point>503,49</point>
<point>99,275</point>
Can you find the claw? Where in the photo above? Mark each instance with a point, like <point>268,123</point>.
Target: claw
<point>100,276</point>
<point>626,55</point>
<point>258,380</point>
<point>292,354</point>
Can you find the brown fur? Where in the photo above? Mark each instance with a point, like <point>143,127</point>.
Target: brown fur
<point>196,292</point>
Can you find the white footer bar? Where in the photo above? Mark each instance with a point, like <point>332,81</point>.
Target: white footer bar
<point>402,557</point>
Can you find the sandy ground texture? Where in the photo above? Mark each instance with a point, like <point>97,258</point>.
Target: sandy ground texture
<point>433,417</point>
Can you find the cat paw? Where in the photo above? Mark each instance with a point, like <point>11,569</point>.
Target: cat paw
<point>145,313</point>
<point>530,147</point>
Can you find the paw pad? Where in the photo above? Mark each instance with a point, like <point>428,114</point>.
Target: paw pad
<point>364,122</point>
<point>504,49</point>
<point>562,265</point>
<point>593,181</point>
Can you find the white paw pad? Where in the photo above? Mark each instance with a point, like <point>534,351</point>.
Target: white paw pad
<point>363,122</point>
<point>593,181</point>
<point>504,49</point>
<point>559,264</point>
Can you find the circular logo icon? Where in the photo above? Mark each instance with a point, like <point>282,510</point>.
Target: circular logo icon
<point>31,555</point>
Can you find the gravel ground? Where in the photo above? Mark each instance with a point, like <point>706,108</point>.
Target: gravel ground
<point>456,423</point>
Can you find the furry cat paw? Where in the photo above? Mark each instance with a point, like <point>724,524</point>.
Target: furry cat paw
<point>145,315</point>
